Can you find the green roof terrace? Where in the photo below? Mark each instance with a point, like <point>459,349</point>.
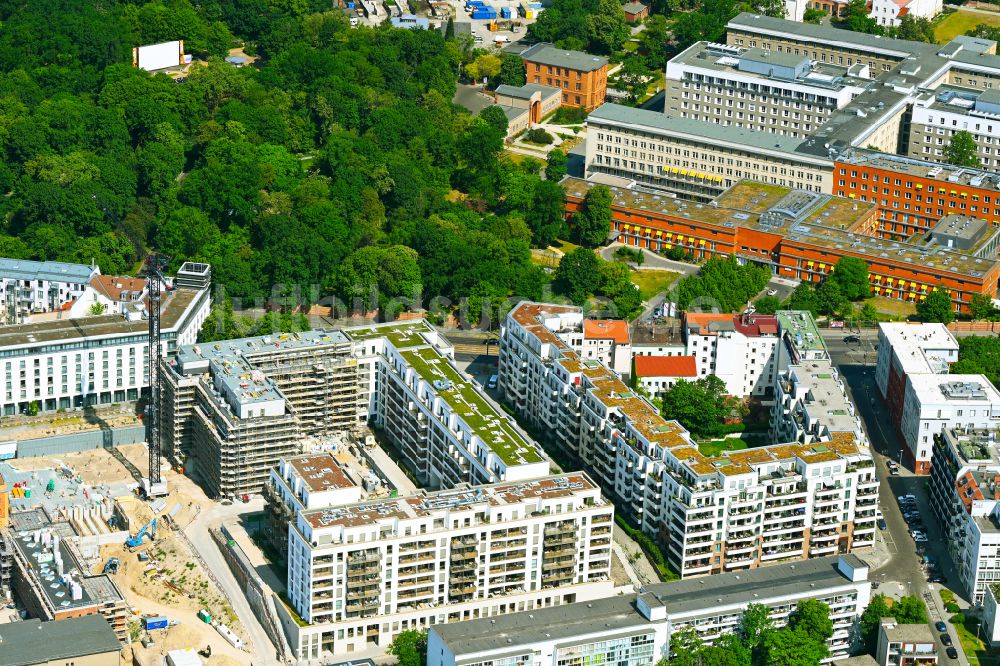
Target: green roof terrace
<point>491,426</point>
<point>402,335</point>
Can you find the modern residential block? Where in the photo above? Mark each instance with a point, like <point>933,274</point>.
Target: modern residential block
<point>964,494</point>
<point>359,574</point>
<point>738,349</point>
<point>636,629</point>
<point>813,497</point>
<point>28,287</point>
<point>99,360</point>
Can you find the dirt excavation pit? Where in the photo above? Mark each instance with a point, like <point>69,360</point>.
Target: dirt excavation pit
<point>97,466</point>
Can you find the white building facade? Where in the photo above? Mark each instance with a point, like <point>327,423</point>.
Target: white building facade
<point>28,287</point>
<point>359,574</point>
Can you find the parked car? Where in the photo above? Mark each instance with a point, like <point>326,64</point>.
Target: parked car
<point>920,537</point>
<point>772,292</point>
<point>881,524</point>
<point>852,339</point>
<point>941,626</point>
<point>946,640</point>
<point>937,578</point>
<point>952,653</point>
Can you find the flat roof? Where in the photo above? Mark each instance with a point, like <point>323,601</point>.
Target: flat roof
<point>725,59</point>
<point>320,472</point>
<point>702,132</point>
<point>566,622</point>
<point>708,593</point>
<point>920,347</point>
<point>461,498</point>
<point>51,271</point>
<point>744,204</point>
<point>972,390</point>
<point>34,642</point>
<point>802,329</point>
<point>401,334</point>
<point>808,32</point>
<point>526,91</point>
<point>492,426</point>
<point>947,174</point>
<point>606,329</point>
<point>643,418</point>
<point>547,54</point>
<point>29,336</point>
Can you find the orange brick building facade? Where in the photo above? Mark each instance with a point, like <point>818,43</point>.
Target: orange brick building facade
<point>583,78</point>
<point>913,196</point>
<point>792,255</point>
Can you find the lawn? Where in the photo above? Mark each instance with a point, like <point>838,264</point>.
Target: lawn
<point>891,309</point>
<point>715,447</point>
<point>975,649</point>
<point>959,23</point>
<point>651,282</point>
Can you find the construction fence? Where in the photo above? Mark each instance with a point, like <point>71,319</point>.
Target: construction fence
<point>80,441</point>
<point>261,597</point>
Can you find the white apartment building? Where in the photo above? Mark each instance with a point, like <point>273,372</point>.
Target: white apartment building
<point>934,404</point>
<point>65,363</point>
<point>738,349</point>
<point>964,492</point>
<point>811,403</point>
<point>891,12</point>
<point>359,574</point>
<point>28,287</point>
<point>907,352</point>
<point>905,644</point>
<point>733,511</point>
<point>778,93</point>
<point>636,629</point>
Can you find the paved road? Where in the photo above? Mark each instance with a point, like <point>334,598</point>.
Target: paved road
<point>653,261</point>
<point>263,652</point>
<point>902,573</point>
<point>471,98</point>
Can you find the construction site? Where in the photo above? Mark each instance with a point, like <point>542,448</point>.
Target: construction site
<point>82,542</point>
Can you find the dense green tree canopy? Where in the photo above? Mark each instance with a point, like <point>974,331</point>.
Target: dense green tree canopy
<point>851,275</point>
<point>962,150</point>
<point>702,406</point>
<point>937,307</point>
<point>722,284</point>
<point>979,355</point>
<point>334,165</point>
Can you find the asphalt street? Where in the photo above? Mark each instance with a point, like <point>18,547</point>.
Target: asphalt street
<point>903,573</point>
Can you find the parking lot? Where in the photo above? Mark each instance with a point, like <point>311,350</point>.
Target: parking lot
<point>464,23</point>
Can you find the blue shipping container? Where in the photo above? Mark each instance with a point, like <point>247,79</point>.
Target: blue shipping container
<point>505,12</point>
<point>475,3</point>
<point>158,622</point>
<point>487,13</point>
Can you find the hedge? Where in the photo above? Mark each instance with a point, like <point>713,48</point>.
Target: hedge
<point>653,550</point>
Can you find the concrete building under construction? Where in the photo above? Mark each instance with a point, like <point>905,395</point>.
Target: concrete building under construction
<point>237,407</point>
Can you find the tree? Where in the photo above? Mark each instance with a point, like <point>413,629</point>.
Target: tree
<point>812,15</point>
<point>723,284</point>
<point>979,355</point>
<point>449,29</point>
<point>981,307</point>
<point>495,118</point>
<point>654,40</point>
<point>813,617</point>
<point>830,298</point>
<point>916,29</point>
<point>754,624</point>
<point>962,150</point>
<point>792,647</point>
<point>97,309</point>
<point>868,313</point>
<point>910,609</point>
<point>685,644</point>
<point>937,307</point>
<point>700,406</point>
<point>410,648</point>
<point>803,298</point>
<point>578,275</point>
<point>728,650</point>
<point>607,29</point>
<point>871,618</point>
<point>633,78</point>
<point>485,66</point>
<point>555,165</point>
<point>773,8</point>
<point>547,216</point>
<point>511,70</point>
<point>851,275</point>
<point>767,304</point>
<point>592,222</point>
<point>856,18</point>
<point>616,284</point>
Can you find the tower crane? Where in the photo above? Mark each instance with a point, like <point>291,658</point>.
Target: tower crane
<point>153,265</point>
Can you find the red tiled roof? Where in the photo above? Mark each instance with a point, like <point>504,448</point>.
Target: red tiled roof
<point>665,366</point>
<point>702,320</point>
<point>113,286</point>
<point>605,329</point>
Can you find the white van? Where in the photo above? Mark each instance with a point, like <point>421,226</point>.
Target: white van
<point>491,383</point>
